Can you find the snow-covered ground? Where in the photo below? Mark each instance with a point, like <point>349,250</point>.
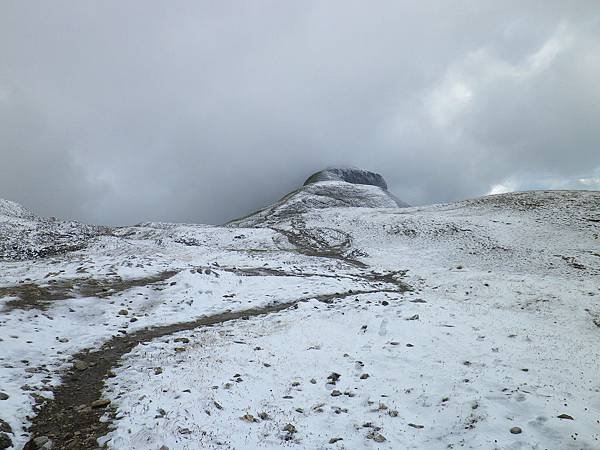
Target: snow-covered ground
<point>500,329</point>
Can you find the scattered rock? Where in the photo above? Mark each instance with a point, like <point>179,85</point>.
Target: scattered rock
<point>376,437</point>
<point>290,428</point>
<point>364,376</point>
<point>158,370</point>
<point>42,442</point>
<point>3,396</point>
<point>335,393</point>
<point>179,349</point>
<point>263,416</point>
<point>217,404</point>
<point>565,416</point>
<point>414,425</point>
<point>110,374</point>
<point>164,447</point>
<point>334,377</point>
<point>4,426</point>
<point>80,365</point>
<point>123,312</point>
<point>100,403</point>
<point>515,430</point>
<point>393,413</point>
<point>249,418</point>
<point>5,441</point>
<point>183,340</point>
<point>415,317</point>
<point>313,381</point>
<point>335,439</point>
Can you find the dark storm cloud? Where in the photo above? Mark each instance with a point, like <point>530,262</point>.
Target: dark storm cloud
<point>117,112</point>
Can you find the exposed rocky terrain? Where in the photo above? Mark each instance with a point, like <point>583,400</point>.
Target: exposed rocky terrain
<point>338,318</point>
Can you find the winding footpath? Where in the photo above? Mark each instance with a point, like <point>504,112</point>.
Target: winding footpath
<point>72,419</point>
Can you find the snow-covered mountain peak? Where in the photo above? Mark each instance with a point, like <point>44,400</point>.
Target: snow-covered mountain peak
<point>329,188</point>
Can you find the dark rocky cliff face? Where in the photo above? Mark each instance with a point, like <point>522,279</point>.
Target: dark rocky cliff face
<point>349,175</point>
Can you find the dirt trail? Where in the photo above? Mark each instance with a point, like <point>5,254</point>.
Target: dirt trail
<point>70,421</point>
<point>40,296</point>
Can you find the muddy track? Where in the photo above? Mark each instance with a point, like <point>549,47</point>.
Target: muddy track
<point>71,422</point>
<point>38,296</point>
<point>312,242</point>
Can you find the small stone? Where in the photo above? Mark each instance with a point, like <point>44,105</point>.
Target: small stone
<point>313,381</point>
<point>123,312</point>
<point>249,418</point>
<point>565,416</point>
<point>80,365</point>
<point>110,374</point>
<point>40,441</point>
<point>393,413</point>
<point>515,430</point>
<point>385,303</point>
<point>217,404</point>
<point>364,376</point>
<point>335,439</point>
<point>63,340</point>
<point>414,425</point>
<point>296,383</point>
<point>415,317</point>
<point>289,428</point>
<point>335,393</point>
<point>3,396</point>
<point>164,447</point>
<point>5,441</point>
<point>334,377</point>
<point>179,349</point>
<point>182,339</point>
<point>263,416</point>
<point>4,426</point>
<point>299,410</point>
<point>376,437</point>
<point>100,403</point>
<point>158,370</point>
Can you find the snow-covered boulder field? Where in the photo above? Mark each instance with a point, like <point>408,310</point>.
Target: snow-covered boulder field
<point>334,319</point>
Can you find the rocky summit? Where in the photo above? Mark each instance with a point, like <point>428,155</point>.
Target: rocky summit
<point>337,317</point>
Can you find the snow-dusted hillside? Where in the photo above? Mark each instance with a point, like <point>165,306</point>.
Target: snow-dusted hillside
<point>312,324</point>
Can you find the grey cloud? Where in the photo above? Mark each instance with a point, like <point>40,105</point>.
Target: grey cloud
<point>118,112</point>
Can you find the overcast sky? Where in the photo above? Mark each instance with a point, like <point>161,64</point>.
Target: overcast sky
<point>121,111</point>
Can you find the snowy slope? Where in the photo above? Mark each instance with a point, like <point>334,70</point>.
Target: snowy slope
<point>433,327</point>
